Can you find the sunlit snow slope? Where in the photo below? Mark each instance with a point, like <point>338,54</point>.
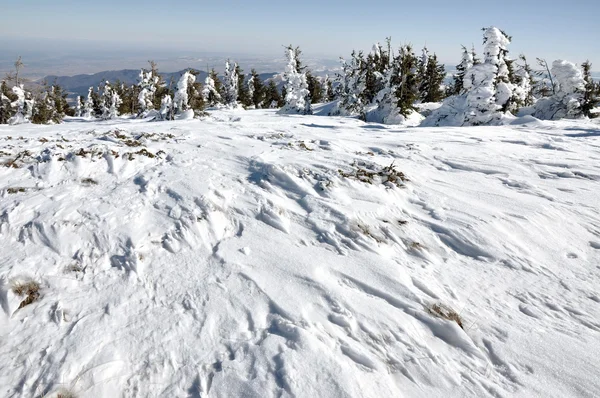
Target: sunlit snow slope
<point>257,255</point>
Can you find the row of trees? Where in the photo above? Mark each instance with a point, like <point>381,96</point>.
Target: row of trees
<point>381,86</point>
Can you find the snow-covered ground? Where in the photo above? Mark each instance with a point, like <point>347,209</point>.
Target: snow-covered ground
<point>258,255</point>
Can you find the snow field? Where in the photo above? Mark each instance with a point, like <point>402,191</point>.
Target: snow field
<point>254,254</point>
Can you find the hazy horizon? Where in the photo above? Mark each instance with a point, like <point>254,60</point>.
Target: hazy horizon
<point>67,38</point>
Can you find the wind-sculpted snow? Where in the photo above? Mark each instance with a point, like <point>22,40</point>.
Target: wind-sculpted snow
<point>258,255</point>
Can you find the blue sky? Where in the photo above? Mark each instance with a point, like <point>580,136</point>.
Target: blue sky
<point>550,29</point>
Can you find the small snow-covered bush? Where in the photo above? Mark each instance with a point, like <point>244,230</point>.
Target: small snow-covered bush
<point>568,98</point>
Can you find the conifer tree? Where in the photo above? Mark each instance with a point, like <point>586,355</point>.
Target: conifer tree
<point>22,106</point>
<point>182,95</point>
<point>78,107</point>
<point>109,102</point>
<point>257,90</point>
<point>569,93</point>
<point>6,99</point>
<point>430,88</point>
<point>523,84</point>
<point>230,84</point>
<point>315,88</point>
<point>195,99</point>
<point>211,89</point>
<point>297,96</point>
<point>272,96</point>
<point>243,95</point>
<point>407,90</point>
<point>590,95</point>
<point>465,64</point>
<point>88,106</point>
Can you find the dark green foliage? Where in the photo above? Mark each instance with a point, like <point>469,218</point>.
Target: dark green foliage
<point>50,105</point>
<point>195,100</point>
<point>243,92</point>
<point>430,88</point>
<point>258,92</point>
<point>315,88</point>
<point>405,80</point>
<point>272,96</point>
<point>591,97</point>
<point>281,101</point>
<point>6,99</point>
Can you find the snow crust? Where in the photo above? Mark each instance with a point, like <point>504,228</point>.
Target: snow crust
<point>242,255</point>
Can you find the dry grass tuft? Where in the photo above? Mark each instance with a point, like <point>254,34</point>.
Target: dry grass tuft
<point>445,312</point>
<point>371,173</point>
<point>29,289</point>
<point>64,393</point>
<point>89,181</point>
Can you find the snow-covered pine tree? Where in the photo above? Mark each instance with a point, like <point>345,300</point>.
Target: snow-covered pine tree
<point>567,100</point>
<point>147,87</point>
<point>421,71</point>
<point>230,85</point>
<point>430,87</point>
<point>591,96</point>
<point>210,90</point>
<point>407,92</point>
<point>315,88</point>
<point>6,99</point>
<point>272,96</point>
<point>297,97</point>
<point>43,106</point>
<point>166,108</point>
<point>489,91</point>
<point>243,96</point>
<point>182,97</point>
<point>256,89</point>
<point>523,84</point>
<point>88,106</point>
<point>109,102</point>
<point>22,106</point>
<point>78,107</point>
<point>465,64</point>
<point>352,87</point>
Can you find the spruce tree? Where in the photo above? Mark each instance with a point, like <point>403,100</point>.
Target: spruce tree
<point>243,95</point>
<point>467,61</point>
<point>230,84</point>
<point>257,89</point>
<point>211,91</point>
<point>407,90</point>
<point>315,88</point>
<point>6,99</point>
<point>430,88</point>
<point>195,98</point>
<point>272,96</point>
<point>590,95</point>
<point>297,96</point>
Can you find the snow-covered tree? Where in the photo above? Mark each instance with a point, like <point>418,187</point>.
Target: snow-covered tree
<point>523,84</point>
<point>487,92</point>
<point>256,89</point>
<point>6,99</point>
<point>567,100</point>
<point>591,96</point>
<point>465,64</point>
<point>78,107</point>
<point>88,106</point>
<point>430,87</point>
<point>395,102</point>
<point>22,106</point>
<point>147,86</point>
<point>109,102</point>
<point>182,98</point>
<point>166,108</point>
<point>297,96</point>
<point>210,91</point>
<point>352,85</point>
<point>230,84</point>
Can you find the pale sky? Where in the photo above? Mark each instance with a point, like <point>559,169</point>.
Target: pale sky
<point>550,29</point>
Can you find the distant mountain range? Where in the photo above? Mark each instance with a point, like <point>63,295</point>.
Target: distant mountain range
<point>79,84</point>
